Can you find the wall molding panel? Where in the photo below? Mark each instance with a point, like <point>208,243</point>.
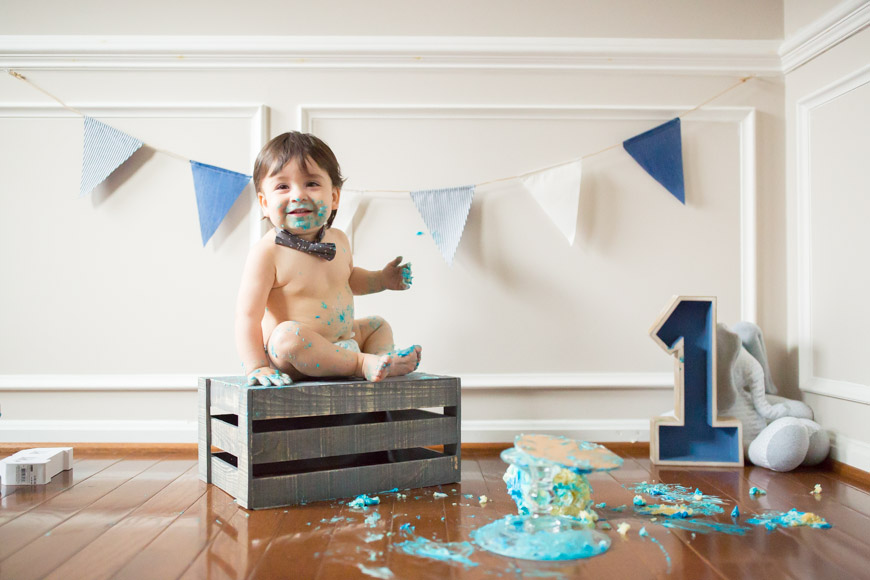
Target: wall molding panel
<point>688,56</point>
<point>803,180</point>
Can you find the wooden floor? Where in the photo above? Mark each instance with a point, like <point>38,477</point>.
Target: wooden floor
<point>149,516</point>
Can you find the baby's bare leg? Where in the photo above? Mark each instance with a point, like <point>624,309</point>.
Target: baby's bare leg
<point>299,351</point>
<point>375,338</point>
<point>374,335</point>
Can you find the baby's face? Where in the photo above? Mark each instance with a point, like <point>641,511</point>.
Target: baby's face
<point>298,198</point>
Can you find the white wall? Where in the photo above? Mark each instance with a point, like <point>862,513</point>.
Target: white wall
<point>719,19</point>
<point>828,120</point>
<point>111,308</point>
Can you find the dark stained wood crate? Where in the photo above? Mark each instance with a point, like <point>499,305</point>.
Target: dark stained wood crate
<point>310,441</point>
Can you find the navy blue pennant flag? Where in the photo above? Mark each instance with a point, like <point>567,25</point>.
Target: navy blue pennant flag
<point>217,190</point>
<point>660,152</point>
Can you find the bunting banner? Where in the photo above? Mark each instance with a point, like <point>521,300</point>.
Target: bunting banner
<point>557,191</point>
<point>217,189</point>
<point>445,213</point>
<point>348,203</point>
<point>660,152</point>
<point>445,210</point>
<point>105,149</point>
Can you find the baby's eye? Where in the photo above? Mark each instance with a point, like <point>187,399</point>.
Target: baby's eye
<point>281,186</point>
<point>312,184</point>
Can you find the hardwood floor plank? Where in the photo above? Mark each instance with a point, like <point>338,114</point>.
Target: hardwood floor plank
<point>843,544</point>
<point>300,542</point>
<point>849,496</point>
<point>663,551</point>
<point>41,520</point>
<point>49,551</point>
<point>749,555</point>
<point>346,546</point>
<point>430,524</point>
<point>28,497</point>
<point>236,549</point>
<point>733,556</point>
<point>109,552</point>
<point>172,552</point>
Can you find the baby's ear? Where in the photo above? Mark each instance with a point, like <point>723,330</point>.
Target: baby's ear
<point>336,197</point>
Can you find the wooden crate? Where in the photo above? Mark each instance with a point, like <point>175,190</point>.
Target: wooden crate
<point>278,446</point>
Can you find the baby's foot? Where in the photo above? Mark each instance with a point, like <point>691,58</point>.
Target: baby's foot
<point>378,367</point>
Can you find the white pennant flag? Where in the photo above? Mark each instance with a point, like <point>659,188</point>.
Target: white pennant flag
<point>445,212</point>
<point>347,206</point>
<point>105,149</point>
<point>557,191</point>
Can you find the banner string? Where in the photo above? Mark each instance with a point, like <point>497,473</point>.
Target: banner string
<point>21,77</point>
<point>588,156</point>
<point>743,80</point>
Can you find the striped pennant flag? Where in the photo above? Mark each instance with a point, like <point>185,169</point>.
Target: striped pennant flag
<point>557,191</point>
<point>217,189</point>
<point>105,149</point>
<point>445,212</point>
<point>660,152</point>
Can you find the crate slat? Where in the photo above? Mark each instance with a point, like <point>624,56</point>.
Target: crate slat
<point>227,477</point>
<point>225,392</point>
<point>307,399</point>
<point>226,437</point>
<point>346,440</point>
<point>351,481</point>
<point>204,430</point>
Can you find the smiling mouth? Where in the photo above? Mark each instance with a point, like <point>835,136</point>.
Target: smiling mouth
<point>300,212</point>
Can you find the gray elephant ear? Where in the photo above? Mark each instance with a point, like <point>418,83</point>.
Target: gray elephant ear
<point>753,341</point>
<point>727,347</point>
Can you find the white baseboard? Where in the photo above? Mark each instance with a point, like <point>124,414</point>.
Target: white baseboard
<point>91,431</point>
<point>492,431</point>
<point>851,452</point>
<point>504,431</point>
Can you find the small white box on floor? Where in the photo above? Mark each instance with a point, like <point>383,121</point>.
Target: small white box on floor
<point>35,466</point>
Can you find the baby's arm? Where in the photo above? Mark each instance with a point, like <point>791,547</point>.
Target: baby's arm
<point>392,277</point>
<point>257,280</point>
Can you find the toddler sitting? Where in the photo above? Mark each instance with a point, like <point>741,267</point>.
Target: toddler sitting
<point>295,314</point>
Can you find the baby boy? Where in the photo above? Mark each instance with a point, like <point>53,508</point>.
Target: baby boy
<point>294,316</point>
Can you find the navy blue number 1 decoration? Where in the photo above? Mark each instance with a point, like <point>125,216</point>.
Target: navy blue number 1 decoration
<point>694,435</point>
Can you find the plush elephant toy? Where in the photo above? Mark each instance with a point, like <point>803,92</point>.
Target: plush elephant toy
<point>778,433</point>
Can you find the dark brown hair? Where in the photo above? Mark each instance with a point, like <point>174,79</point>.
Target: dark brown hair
<point>299,146</point>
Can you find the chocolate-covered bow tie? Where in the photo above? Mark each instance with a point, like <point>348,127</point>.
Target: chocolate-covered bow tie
<point>317,248</point>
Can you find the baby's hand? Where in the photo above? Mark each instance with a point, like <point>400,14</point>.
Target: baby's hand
<point>396,277</point>
<point>267,376</point>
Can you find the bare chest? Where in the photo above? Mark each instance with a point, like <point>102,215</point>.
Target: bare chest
<point>305,276</point>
